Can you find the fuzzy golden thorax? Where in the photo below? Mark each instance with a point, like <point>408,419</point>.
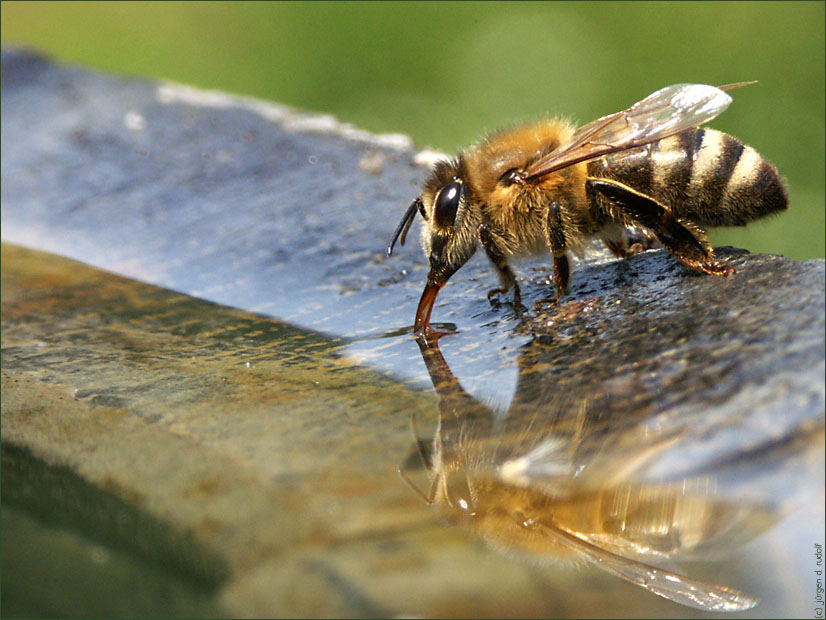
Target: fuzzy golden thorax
<point>516,212</point>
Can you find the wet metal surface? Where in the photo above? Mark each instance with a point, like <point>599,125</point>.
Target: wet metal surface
<point>670,419</point>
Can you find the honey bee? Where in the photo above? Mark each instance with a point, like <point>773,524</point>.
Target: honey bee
<point>549,187</point>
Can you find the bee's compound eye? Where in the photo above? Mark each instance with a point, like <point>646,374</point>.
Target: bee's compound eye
<point>447,202</point>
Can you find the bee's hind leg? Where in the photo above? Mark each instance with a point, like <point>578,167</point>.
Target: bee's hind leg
<point>683,240</point>
<point>506,275</point>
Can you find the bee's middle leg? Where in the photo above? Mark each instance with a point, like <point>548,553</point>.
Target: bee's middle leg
<point>562,275</point>
<point>555,238</point>
<point>627,242</point>
<point>506,275</point>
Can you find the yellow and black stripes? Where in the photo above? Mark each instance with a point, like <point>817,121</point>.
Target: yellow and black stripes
<point>700,175</point>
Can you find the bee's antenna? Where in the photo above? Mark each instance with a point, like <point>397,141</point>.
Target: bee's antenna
<point>404,225</point>
<point>425,461</point>
<point>427,498</point>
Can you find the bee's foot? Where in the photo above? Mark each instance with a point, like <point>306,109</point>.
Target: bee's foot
<point>517,299</point>
<point>429,336</point>
<point>710,266</point>
<point>640,241</point>
<point>492,296</point>
<point>546,301</point>
<point>717,269</point>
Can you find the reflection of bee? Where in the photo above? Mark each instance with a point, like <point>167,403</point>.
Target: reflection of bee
<point>520,487</point>
<point>548,187</point>
<point>603,526</point>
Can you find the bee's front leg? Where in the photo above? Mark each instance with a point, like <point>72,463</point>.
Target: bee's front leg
<point>506,275</point>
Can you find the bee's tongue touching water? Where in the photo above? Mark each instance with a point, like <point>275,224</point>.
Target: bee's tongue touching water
<point>422,322</point>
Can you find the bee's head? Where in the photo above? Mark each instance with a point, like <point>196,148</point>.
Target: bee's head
<point>449,236</point>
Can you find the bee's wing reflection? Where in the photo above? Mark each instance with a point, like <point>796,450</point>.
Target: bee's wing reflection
<point>674,587</point>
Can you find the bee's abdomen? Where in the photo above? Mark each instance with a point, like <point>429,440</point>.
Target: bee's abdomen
<point>702,175</point>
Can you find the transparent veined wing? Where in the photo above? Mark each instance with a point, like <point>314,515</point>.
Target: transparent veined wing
<point>664,113</point>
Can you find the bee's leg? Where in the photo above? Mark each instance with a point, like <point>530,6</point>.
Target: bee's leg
<point>506,275</point>
<point>685,241</point>
<point>555,237</point>
<point>640,240</point>
<point>618,247</point>
<point>562,274</point>
<point>626,242</point>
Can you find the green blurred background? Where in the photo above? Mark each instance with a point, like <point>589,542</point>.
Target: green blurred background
<point>445,73</point>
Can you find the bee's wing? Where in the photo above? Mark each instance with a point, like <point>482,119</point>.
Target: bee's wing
<point>677,588</point>
<point>664,113</point>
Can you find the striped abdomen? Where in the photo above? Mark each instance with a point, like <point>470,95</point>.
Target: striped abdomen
<point>701,175</point>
